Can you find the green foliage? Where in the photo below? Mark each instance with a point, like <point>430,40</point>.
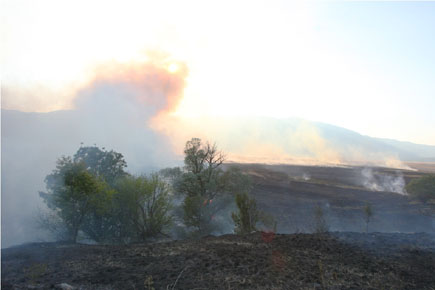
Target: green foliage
<point>73,193</point>
<point>92,194</point>
<point>248,216</point>
<point>422,188</point>
<point>145,204</point>
<point>205,185</point>
<point>94,217</point>
<point>368,213</point>
<point>108,165</point>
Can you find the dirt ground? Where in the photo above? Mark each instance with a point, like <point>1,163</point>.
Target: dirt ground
<point>255,261</point>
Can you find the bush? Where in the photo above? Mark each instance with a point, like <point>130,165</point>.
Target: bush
<point>144,206</point>
<point>248,216</point>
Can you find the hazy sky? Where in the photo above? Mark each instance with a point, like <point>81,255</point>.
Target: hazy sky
<point>365,66</point>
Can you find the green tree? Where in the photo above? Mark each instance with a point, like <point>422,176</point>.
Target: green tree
<point>103,226</point>
<point>205,186</point>
<point>101,222</point>
<point>108,165</point>
<point>146,203</point>
<point>73,193</point>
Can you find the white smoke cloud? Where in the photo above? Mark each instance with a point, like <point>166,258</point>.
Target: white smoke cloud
<point>383,182</point>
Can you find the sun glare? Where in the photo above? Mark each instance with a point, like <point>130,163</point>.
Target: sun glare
<point>173,68</point>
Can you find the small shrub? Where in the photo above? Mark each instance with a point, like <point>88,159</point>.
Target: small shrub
<point>248,216</point>
<point>320,224</point>
<point>35,271</point>
<point>368,213</point>
<point>149,283</point>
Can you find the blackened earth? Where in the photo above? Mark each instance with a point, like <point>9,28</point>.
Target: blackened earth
<point>255,261</point>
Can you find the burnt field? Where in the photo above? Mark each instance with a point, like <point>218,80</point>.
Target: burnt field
<point>255,261</point>
<point>398,252</point>
<point>291,193</point>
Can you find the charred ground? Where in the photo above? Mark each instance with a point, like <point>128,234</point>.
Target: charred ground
<point>255,261</point>
<point>291,193</point>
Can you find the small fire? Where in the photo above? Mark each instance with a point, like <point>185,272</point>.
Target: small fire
<point>267,236</point>
<point>207,201</point>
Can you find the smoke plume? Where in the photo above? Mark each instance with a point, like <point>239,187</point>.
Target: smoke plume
<point>383,182</point>
<point>112,110</point>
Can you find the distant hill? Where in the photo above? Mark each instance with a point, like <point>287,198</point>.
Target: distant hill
<point>412,152</point>
<point>306,140</point>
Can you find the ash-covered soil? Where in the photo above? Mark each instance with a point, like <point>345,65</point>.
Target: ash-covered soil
<point>255,261</point>
<point>291,192</point>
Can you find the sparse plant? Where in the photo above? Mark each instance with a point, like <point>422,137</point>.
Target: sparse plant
<point>368,213</point>
<point>35,271</point>
<point>149,283</point>
<point>205,186</point>
<point>321,273</point>
<point>320,224</point>
<point>176,281</point>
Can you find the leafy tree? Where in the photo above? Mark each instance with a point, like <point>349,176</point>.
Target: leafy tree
<point>73,193</point>
<point>368,213</point>
<point>146,203</point>
<point>206,187</point>
<point>108,165</point>
<point>105,167</point>
<point>103,226</point>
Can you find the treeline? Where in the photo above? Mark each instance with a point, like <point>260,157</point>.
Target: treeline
<point>91,196</point>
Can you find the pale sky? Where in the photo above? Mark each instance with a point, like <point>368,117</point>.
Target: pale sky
<point>365,66</point>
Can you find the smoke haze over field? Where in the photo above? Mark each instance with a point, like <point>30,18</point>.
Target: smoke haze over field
<point>291,141</point>
<point>127,108</point>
